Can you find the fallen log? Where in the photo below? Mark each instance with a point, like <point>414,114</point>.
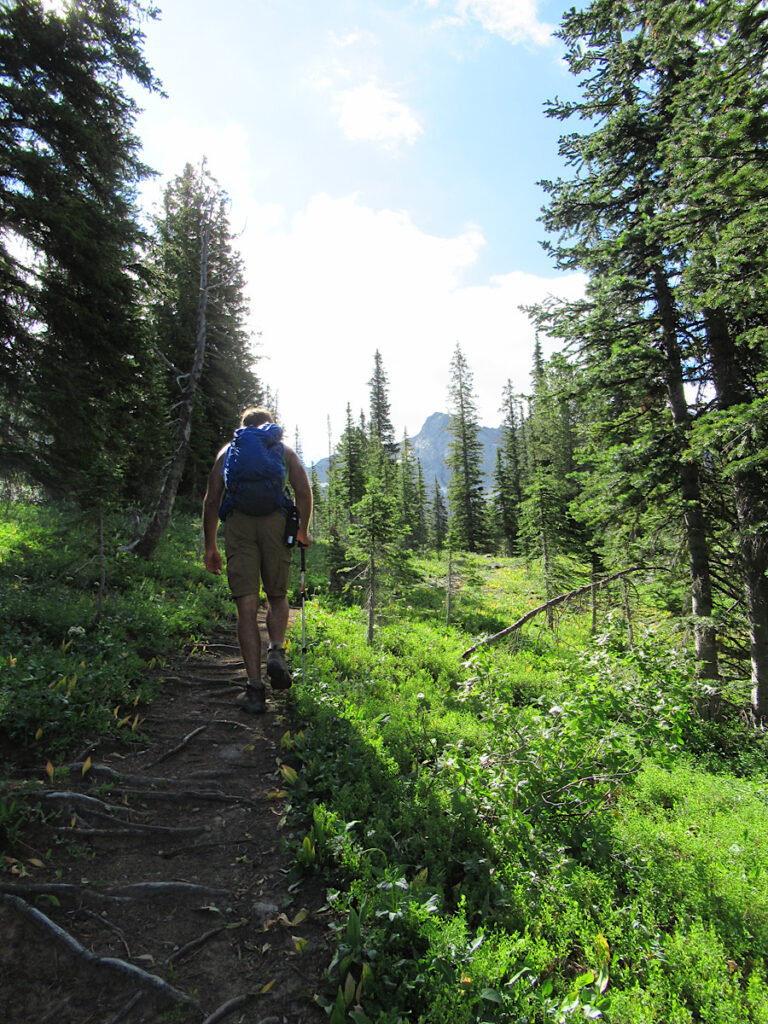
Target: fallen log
<point>552,603</point>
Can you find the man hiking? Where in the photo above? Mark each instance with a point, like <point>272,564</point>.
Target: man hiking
<point>246,490</point>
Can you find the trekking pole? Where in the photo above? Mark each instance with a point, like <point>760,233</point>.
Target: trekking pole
<point>303,615</point>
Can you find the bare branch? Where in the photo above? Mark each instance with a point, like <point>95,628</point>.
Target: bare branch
<point>555,601</point>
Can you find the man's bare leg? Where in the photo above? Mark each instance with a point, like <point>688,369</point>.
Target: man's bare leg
<point>277,620</point>
<point>248,635</point>
<point>277,623</point>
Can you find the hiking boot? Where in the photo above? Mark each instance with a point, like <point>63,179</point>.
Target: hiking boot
<point>253,699</point>
<point>277,669</point>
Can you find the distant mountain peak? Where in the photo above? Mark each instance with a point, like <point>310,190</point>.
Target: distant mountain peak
<point>430,447</point>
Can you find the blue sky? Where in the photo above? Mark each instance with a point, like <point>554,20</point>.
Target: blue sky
<point>382,160</point>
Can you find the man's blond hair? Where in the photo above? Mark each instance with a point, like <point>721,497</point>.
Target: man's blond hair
<point>255,416</point>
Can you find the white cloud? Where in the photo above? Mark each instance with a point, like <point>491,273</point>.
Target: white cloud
<point>367,110</point>
<point>353,38</point>
<point>371,113</point>
<point>341,280</point>
<point>516,21</point>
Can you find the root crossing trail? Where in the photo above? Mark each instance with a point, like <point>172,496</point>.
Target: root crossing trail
<point>154,888</point>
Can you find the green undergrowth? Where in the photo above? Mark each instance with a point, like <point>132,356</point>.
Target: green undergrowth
<point>69,674</point>
<point>532,833</point>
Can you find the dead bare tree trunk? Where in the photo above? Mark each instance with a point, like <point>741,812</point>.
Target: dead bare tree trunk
<point>548,605</point>
<point>146,544</point>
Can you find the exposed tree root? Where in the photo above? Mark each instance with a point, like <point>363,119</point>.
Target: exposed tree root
<point>69,942</point>
<point>179,746</point>
<point>142,889</point>
<point>122,1014</point>
<point>122,893</point>
<point>102,771</point>
<point>229,1007</point>
<point>55,1010</point>
<point>133,832</point>
<point>200,941</point>
<point>214,646</point>
<point>82,800</point>
<point>180,850</point>
<point>107,924</point>
<point>176,795</point>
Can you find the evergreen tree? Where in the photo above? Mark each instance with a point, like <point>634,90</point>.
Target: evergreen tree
<point>381,428</point>
<point>608,222</point>
<point>715,152</point>
<point>71,344</point>
<point>350,464</point>
<point>319,506</point>
<point>376,538</point>
<point>192,203</point>
<point>420,518</point>
<point>508,480</point>
<point>438,522</point>
<point>547,525</point>
<point>408,493</point>
<point>465,491</point>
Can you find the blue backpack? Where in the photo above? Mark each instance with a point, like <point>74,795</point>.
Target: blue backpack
<point>254,472</point>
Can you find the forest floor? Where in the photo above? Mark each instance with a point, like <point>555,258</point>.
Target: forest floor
<point>156,887</point>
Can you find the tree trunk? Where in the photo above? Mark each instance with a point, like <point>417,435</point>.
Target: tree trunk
<point>371,597</point>
<point>593,593</point>
<point>102,567</point>
<point>690,490</point>
<point>749,497</point>
<point>146,544</point>
<point>627,612</point>
<point>448,588</point>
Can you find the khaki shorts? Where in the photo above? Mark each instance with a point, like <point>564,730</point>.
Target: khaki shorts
<point>256,553</point>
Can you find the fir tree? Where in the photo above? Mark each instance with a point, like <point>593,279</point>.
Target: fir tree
<point>508,476</point>
<point>376,538</point>
<point>438,520</point>
<point>72,346</point>
<point>380,426</point>
<point>228,383</point>
<point>465,491</point>
<point>608,222</point>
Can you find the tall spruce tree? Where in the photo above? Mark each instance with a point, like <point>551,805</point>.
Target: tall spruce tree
<point>465,452</point>
<point>380,422</point>
<point>547,526</point>
<point>376,538</point>
<point>715,150</point>
<point>193,204</point>
<point>408,493</point>
<point>508,472</point>
<point>71,343</point>
<point>607,220</point>
<point>438,519</point>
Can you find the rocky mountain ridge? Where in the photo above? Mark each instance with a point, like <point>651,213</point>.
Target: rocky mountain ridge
<point>430,446</point>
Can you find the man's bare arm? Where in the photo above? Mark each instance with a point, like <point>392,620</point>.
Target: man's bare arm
<point>211,504</point>
<point>302,492</point>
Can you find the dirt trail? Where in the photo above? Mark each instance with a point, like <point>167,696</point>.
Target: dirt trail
<point>163,870</point>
